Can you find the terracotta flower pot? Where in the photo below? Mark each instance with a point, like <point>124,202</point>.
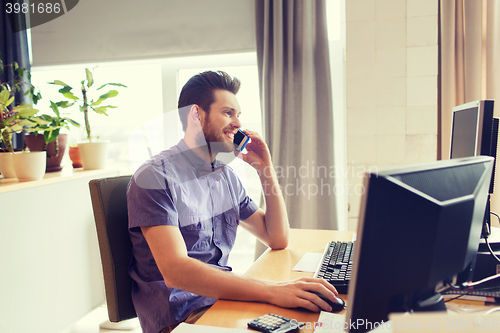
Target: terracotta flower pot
<point>76,158</point>
<point>37,143</point>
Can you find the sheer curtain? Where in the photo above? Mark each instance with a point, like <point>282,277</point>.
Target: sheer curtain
<point>469,62</point>
<point>295,87</point>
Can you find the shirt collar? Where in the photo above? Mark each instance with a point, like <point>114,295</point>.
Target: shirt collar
<point>202,166</point>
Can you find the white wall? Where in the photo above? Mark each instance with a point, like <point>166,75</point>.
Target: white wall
<point>51,269</point>
<point>391,83</point>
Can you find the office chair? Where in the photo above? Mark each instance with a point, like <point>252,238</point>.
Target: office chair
<point>111,218</point>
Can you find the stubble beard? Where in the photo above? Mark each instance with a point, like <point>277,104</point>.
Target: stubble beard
<point>216,140</point>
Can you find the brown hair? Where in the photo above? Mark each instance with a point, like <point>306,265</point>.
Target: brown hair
<point>199,90</point>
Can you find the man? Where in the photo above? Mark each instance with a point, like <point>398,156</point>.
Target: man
<point>184,209</point>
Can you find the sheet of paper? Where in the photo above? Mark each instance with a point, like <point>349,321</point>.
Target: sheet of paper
<point>329,323</point>
<point>308,263</point>
<point>189,328</point>
<point>334,323</point>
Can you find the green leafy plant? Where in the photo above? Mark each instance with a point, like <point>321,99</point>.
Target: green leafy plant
<point>13,118</point>
<point>85,101</point>
<point>51,125</point>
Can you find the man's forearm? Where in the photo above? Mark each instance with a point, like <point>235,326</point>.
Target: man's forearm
<point>276,217</point>
<point>271,227</point>
<point>185,274</point>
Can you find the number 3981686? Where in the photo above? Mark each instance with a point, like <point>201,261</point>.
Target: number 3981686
<point>40,8</point>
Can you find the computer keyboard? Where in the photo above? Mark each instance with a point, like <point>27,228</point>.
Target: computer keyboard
<point>336,265</point>
<point>489,292</point>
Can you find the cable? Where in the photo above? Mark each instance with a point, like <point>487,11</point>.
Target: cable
<point>473,284</point>
<point>492,310</point>
<point>498,216</point>
<point>454,298</point>
<point>470,285</point>
<point>486,237</point>
<point>491,250</point>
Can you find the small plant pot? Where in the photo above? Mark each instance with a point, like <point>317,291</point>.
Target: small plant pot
<point>6,165</point>
<point>29,166</point>
<point>75,157</point>
<point>94,155</point>
<point>37,143</point>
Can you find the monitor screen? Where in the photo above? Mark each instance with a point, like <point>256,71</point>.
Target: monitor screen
<point>474,131</point>
<point>465,133</point>
<point>419,226</point>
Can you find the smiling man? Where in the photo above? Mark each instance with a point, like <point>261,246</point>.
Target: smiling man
<point>185,206</point>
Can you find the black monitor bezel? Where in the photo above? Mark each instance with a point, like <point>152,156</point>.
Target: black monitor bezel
<point>388,174</point>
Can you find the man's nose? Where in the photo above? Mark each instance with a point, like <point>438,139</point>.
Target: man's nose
<point>236,122</point>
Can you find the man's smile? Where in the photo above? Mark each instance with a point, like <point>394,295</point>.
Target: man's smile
<point>230,134</point>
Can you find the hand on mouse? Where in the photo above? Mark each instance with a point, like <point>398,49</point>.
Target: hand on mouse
<point>336,306</point>
<point>300,293</point>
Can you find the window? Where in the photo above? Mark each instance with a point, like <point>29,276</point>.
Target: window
<point>141,100</point>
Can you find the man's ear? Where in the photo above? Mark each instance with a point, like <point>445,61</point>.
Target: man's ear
<point>194,112</point>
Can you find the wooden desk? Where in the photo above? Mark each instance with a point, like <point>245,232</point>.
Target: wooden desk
<point>276,266</point>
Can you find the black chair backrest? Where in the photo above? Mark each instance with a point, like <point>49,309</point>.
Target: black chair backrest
<point>110,212</point>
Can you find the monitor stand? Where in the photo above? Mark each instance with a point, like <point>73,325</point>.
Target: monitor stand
<point>425,300</point>
<point>434,302</point>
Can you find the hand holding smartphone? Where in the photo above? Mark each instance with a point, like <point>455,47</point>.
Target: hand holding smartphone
<point>240,140</point>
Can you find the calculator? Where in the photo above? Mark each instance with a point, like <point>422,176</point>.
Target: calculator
<point>274,323</point>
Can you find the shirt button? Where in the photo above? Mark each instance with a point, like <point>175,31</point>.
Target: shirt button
<point>218,243</point>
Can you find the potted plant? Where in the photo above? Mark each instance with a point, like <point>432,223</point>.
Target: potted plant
<point>13,118</point>
<point>52,141</point>
<point>11,121</point>
<point>93,153</point>
<point>29,165</point>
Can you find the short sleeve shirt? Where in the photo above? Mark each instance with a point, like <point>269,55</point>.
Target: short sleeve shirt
<point>206,202</point>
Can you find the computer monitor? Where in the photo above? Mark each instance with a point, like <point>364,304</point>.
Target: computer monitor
<point>474,131</point>
<point>419,226</point>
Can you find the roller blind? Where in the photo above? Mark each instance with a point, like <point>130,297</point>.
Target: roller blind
<point>113,30</point>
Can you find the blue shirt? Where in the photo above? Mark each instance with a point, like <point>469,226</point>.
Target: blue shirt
<point>205,202</point>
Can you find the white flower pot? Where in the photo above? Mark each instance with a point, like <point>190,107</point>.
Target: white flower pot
<point>6,166</point>
<point>29,166</point>
<point>94,155</point>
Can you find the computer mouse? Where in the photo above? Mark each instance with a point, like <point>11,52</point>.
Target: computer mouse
<point>337,306</point>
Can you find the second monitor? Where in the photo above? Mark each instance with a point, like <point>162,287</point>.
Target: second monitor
<point>419,226</point>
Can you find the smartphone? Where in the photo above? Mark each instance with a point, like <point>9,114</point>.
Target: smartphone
<point>240,140</point>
